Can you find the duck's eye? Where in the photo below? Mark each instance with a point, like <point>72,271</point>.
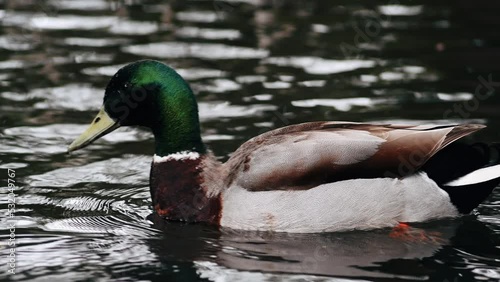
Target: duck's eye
<point>97,119</point>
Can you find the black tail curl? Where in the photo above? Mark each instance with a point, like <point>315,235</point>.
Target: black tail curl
<point>457,160</point>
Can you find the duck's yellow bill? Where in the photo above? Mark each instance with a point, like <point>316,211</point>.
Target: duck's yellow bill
<point>100,126</point>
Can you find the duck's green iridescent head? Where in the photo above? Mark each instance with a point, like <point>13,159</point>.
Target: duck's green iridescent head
<point>151,94</point>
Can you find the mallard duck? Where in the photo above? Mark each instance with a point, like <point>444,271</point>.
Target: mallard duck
<point>309,177</point>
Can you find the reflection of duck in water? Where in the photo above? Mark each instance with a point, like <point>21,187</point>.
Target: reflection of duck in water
<point>428,250</point>
<point>311,177</point>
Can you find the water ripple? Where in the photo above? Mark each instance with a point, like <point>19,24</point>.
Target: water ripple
<point>186,73</point>
<point>85,203</point>
<point>345,104</point>
<point>131,169</point>
<point>71,22</point>
<point>199,16</point>
<point>84,97</point>
<point>87,5</point>
<point>214,272</point>
<point>94,42</point>
<point>127,27</point>
<point>217,109</point>
<point>218,86</point>
<point>195,50</point>
<point>99,224</point>
<point>316,65</point>
<point>16,43</point>
<point>207,33</point>
<point>55,138</point>
<point>400,10</point>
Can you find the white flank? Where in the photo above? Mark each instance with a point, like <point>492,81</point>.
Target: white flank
<point>343,205</point>
<point>477,176</point>
<point>180,156</point>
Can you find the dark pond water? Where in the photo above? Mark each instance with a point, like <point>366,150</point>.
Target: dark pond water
<point>255,65</point>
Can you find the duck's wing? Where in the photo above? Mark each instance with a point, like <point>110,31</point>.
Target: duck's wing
<point>305,155</point>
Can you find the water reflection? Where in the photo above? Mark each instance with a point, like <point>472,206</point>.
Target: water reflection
<point>195,50</point>
<point>314,65</point>
<point>243,256</point>
<point>343,105</point>
<point>207,33</point>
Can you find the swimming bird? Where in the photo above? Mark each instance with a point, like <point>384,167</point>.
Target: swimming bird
<point>309,177</point>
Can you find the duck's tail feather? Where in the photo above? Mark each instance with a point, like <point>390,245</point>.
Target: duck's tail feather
<point>468,173</point>
<point>481,175</point>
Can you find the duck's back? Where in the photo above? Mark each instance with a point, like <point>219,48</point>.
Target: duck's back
<point>306,155</point>
<point>329,176</point>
